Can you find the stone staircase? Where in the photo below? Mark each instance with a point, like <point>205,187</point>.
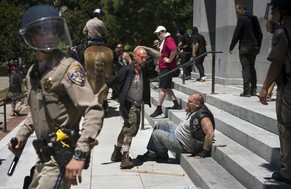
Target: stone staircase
<point>246,149</point>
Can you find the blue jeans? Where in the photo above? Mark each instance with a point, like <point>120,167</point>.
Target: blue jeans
<point>163,138</point>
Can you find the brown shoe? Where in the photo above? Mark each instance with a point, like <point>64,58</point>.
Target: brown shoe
<point>116,155</point>
<point>126,162</point>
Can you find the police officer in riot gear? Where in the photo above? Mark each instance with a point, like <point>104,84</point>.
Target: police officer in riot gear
<point>58,95</point>
<point>280,71</point>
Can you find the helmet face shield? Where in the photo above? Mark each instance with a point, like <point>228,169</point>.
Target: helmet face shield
<point>268,11</point>
<point>46,34</point>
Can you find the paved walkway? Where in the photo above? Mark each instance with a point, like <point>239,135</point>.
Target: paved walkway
<point>102,173</point>
<point>4,82</point>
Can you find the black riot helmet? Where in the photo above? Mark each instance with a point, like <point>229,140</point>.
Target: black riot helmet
<point>44,30</point>
<point>283,5</point>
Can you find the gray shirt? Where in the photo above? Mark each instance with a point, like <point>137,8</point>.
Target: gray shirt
<point>183,134</point>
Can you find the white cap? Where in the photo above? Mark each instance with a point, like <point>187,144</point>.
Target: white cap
<point>160,28</point>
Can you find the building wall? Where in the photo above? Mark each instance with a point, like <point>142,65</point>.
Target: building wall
<point>216,20</point>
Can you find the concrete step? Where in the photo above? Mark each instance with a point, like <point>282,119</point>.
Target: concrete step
<point>247,167</point>
<point>255,148</point>
<point>260,141</point>
<point>205,173</point>
<point>227,98</point>
<point>208,174</point>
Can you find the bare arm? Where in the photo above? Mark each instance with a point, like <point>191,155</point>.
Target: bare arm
<point>272,75</point>
<point>102,90</point>
<point>126,58</point>
<point>151,51</point>
<point>208,130</point>
<point>195,50</point>
<point>172,55</point>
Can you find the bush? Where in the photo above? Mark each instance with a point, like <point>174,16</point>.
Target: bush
<point>3,70</point>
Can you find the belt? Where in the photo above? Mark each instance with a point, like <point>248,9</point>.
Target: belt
<point>134,102</point>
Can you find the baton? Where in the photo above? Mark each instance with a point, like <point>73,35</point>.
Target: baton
<point>11,169</point>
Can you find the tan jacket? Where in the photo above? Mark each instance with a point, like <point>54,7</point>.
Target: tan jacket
<point>68,97</point>
<point>95,29</point>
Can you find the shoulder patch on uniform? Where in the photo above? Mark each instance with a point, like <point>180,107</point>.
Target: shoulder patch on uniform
<point>276,39</point>
<point>77,75</point>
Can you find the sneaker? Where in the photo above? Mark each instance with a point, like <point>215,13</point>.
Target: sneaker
<point>245,94</point>
<point>203,78</point>
<point>157,112</point>
<point>16,113</point>
<point>278,177</point>
<point>188,77</point>
<point>148,156</point>
<point>269,97</point>
<point>12,114</point>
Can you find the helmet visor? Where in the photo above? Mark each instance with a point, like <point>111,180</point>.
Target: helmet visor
<point>47,34</point>
<point>268,11</point>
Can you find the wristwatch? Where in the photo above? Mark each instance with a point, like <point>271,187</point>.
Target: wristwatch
<point>79,155</point>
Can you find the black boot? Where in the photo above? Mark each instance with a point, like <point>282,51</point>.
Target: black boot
<point>176,105</point>
<point>126,162</point>
<point>245,94</point>
<point>116,154</point>
<point>247,90</point>
<point>254,91</point>
<point>157,112</point>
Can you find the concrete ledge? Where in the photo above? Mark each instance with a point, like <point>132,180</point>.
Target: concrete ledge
<point>227,98</point>
<point>248,168</point>
<point>207,173</point>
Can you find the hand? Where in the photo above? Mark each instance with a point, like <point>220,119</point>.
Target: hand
<point>74,169</point>
<point>166,60</point>
<point>138,47</point>
<point>16,150</point>
<point>204,153</point>
<point>230,51</point>
<point>263,96</point>
<point>194,56</point>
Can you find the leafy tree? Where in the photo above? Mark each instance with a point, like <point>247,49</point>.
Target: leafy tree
<point>133,22</point>
<point>128,21</point>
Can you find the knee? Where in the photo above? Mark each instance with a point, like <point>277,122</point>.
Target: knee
<point>158,125</point>
<point>156,134</point>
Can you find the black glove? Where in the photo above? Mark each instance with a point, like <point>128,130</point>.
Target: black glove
<point>204,153</point>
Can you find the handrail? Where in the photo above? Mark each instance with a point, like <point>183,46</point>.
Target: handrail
<point>7,100</point>
<point>186,64</point>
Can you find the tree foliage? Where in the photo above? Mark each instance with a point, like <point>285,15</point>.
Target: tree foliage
<point>128,21</point>
<point>133,22</point>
